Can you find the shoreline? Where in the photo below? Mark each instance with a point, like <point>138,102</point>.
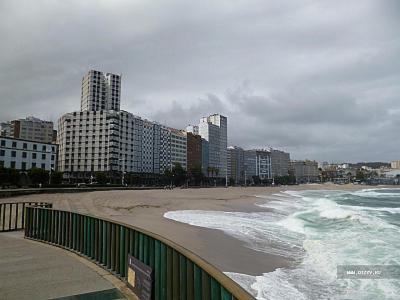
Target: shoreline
<point>146,208</point>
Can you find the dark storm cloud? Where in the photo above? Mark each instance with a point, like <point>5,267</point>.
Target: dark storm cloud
<point>317,78</point>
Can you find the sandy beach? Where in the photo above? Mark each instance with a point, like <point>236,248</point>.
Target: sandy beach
<point>145,209</point>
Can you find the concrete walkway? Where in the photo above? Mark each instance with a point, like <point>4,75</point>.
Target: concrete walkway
<point>33,270</point>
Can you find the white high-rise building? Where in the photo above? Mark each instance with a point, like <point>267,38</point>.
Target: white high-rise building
<point>101,137</point>
<point>101,91</point>
<point>213,129</point>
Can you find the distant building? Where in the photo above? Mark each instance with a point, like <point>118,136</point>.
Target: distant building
<point>5,129</point>
<point>30,128</point>
<point>258,163</point>
<point>280,163</point>
<point>395,164</point>
<point>214,130</point>
<point>236,170</point>
<point>194,151</point>
<point>205,156</point>
<point>103,138</point>
<point>178,147</point>
<point>193,129</point>
<point>24,155</point>
<point>324,165</point>
<point>305,171</point>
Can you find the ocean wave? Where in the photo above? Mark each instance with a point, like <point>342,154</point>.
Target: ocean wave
<point>257,230</point>
<point>322,229</point>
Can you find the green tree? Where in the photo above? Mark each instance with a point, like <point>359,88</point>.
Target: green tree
<point>179,174</point>
<point>38,176</point>
<point>101,177</point>
<point>56,177</point>
<point>8,176</point>
<point>196,173</point>
<point>360,175</point>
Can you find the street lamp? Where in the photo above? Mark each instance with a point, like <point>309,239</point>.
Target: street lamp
<point>50,152</point>
<point>123,172</point>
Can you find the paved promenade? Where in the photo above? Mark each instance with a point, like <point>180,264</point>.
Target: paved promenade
<point>33,270</point>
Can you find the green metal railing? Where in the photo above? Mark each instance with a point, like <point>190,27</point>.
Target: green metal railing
<point>12,215</point>
<point>178,273</point>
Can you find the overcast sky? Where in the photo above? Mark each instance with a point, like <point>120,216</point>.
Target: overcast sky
<point>320,79</point>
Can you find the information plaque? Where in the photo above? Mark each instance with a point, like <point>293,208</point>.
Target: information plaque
<point>140,278</point>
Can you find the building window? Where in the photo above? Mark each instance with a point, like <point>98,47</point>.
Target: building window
<point>23,166</point>
<point>33,165</point>
<point>2,152</point>
<point>25,146</point>
<point>13,153</point>
<point>14,144</point>
<point>43,166</point>
<point>34,147</point>
<point>24,154</point>
<point>1,163</point>
<point>43,156</point>
<point>44,148</point>
<point>3,143</point>
<point>33,155</point>
<point>12,165</point>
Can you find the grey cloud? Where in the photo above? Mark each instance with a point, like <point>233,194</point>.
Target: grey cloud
<point>318,78</point>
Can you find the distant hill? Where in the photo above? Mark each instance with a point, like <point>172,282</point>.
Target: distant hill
<point>374,165</point>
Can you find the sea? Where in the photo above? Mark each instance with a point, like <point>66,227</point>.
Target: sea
<point>318,230</point>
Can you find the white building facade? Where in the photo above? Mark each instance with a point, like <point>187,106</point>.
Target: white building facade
<point>24,155</point>
<point>101,91</point>
<point>213,129</point>
<point>258,163</point>
<point>178,147</point>
<point>280,161</point>
<point>305,171</point>
<point>112,140</point>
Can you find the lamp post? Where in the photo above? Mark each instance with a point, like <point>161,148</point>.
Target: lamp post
<point>226,176</point>
<point>123,172</point>
<point>51,168</point>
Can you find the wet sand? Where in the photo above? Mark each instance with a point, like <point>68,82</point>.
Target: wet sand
<point>145,209</point>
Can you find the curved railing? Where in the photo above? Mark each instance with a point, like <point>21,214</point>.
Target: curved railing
<point>178,273</point>
<point>12,215</point>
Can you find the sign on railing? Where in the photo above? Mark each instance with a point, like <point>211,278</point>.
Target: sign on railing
<point>140,278</point>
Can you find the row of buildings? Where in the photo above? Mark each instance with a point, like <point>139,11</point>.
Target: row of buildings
<point>101,137</point>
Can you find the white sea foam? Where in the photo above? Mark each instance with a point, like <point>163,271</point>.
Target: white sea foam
<point>323,229</point>
<point>257,230</point>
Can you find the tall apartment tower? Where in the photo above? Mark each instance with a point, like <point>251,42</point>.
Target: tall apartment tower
<point>214,129</point>
<point>101,137</point>
<point>100,91</point>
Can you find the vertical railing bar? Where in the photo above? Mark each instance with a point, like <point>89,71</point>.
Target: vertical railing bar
<point>23,215</point>
<point>10,216</point>
<point>16,216</point>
